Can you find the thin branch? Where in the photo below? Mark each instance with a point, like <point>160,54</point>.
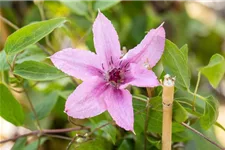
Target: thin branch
<point>58,136</point>
<point>43,132</point>
<point>202,135</point>
<point>71,142</point>
<point>9,23</point>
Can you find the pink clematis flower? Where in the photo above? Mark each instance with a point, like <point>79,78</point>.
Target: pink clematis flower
<point>106,74</point>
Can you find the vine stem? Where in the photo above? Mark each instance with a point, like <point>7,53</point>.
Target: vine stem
<point>33,110</point>
<point>196,89</point>
<point>150,93</point>
<point>202,135</point>
<point>47,132</point>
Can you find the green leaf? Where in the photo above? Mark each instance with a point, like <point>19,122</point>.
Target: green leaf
<point>110,131</point>
<point>32,52</point>
<point>10,109</point>
<point>3,61</point>
<point>154,142</point>
<point>103,5</point>
<point>181,136</point>
<point>34,145</point>
<point>37,71</point>
<point>44,108</point>
<point>95,144</point>
<point>79,7</point>
<point>179,112</point>
<point>215,70</point>
<point>155,116</point>
<point>20,144</point>
<point>125,145</point>
<point>31,34</point>
<point>210,113</point>
<point>175,63</point>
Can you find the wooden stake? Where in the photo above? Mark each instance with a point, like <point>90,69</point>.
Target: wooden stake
<point>167,97</point>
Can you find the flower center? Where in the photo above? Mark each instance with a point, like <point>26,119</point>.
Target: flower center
<point>115,76</point>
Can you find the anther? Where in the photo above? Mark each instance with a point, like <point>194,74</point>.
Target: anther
<point>103,67</point>
<point>111,60</point>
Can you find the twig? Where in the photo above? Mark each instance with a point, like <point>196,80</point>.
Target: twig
<point>9,23</point>
<point>202,135</point>
<point>79,125</point>
<point>167,97</point>
<point>58,136</point>
<point>43,132</point>
<point>71,142</point>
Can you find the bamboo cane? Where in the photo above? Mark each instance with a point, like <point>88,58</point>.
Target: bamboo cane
<point>167,96</point>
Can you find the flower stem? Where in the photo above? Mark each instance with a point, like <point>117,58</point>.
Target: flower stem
<point>167,97</point>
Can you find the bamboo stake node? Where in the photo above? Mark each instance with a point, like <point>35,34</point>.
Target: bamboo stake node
<point>167,101</point>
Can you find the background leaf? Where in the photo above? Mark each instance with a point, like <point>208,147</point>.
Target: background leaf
<point>210,113</point>
<point>31,34</point>
<point>10,109</point>
<point>79,7</point>
<point>37,71</point>
<point>44,108</point>
<point>215,70</point>
<point>33,53</point>
<point>103,5</point>
<point>19,144</point>
<point>175,63</point>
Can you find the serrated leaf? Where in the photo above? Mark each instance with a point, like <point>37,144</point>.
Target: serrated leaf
<point>215,70</point>
<point>175,63</point>
<point>103,5</point>
<point>79,7</point>
<point>19,144</point>
<point>37,71</point>
<point>30,34</point>
<point>210,113</point>
<point>10,109</point>
<point>44,108</point>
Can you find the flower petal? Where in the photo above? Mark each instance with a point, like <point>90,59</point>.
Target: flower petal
<point>119,105</point>
<point>106,40</point>
<point>149,50</point>
<point>78,63</point>
<point>87,100</point>
<point>140,76</point>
